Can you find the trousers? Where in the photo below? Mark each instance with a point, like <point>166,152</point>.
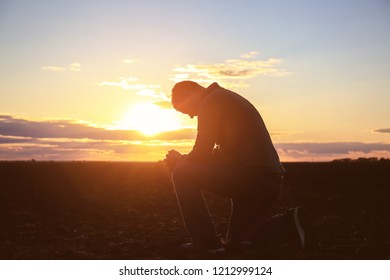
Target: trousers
<point>251,191</point>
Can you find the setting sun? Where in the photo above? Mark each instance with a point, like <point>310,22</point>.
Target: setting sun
<point>149,119</point>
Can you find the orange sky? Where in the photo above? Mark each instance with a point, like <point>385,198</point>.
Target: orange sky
<point>92,82</point>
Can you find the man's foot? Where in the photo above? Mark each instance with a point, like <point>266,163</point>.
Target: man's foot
<point>289,227</point>
<point>236,245</point>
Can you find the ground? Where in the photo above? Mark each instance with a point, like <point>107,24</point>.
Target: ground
<point>108,210</point>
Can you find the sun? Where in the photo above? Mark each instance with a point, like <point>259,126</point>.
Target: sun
<point>149,119</point>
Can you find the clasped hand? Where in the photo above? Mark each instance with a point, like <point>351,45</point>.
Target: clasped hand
<point>172,158</point>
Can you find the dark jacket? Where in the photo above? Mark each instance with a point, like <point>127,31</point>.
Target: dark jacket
<point>230,121</point>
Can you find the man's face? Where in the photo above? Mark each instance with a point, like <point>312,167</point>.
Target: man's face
<point>188,107</point>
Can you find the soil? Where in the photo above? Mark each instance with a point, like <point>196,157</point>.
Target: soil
<point>117,210</point>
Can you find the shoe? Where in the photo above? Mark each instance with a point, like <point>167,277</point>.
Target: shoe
<point>237,247</point>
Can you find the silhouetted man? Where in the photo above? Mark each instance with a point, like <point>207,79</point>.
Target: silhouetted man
<point>233,156</point>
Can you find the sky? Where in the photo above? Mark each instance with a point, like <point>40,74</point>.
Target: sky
<point>91,80</point>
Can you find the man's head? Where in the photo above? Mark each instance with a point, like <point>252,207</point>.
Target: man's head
<point>186,97</point>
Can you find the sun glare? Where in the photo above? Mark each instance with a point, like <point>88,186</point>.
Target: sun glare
<point>149,119</point>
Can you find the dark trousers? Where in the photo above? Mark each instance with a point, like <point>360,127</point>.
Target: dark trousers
<point>252,193</point>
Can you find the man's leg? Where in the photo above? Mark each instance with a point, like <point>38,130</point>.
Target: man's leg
<point>289,227</point>
<point>252,194</point>
<point>251,206</point>
<point>192,205</point>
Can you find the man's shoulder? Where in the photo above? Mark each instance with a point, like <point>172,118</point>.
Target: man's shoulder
<point>214,99</point>
<point>225,97</point>
<point>219,94</point>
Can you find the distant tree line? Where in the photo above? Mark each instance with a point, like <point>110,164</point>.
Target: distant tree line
<point>363,160</point>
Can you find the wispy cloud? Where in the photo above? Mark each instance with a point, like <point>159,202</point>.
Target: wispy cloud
<point>335,147</point>
<point>128,83</point>
<point>249,55</point>
<point>16,128</point>
<point>382,130</point>
<point>231,72</point>
<point>22,139</point>
<point>71,149</point>
<point>53,68</point>
<point>123,82</point>
<point>75,67</point>
<point>332,150</point>
<point>72,67</point>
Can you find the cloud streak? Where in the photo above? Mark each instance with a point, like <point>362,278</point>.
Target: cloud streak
<point>22,139</point>
<point>19,128</point>
<point>334,147</point>
<point>332,150</point>
<point>231,72</point>
<point>128,83</point>
<point>75,67</point>
<point>382,130</point>
<point>53,68</point>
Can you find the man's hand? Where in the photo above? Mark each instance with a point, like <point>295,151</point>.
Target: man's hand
<point>173,158</point>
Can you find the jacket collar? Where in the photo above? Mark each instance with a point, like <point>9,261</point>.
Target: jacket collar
<point>211,87</point>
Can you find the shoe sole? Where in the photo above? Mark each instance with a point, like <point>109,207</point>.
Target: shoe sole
<point>299,226</point>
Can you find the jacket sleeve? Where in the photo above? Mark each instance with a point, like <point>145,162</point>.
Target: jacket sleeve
<point>208,127</point>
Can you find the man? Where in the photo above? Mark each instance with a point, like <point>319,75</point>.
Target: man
<point>233,156</point>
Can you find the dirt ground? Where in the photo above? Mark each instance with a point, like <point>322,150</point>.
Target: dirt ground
<point>107,210</point>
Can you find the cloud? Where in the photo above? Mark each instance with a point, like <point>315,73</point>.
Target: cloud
<point>124,82</point>
<point>91,150</point>
<point>249,55</point>
<point>14,128</point>
<point>75,67</point>
<point>72,67</point>
<point>53,68</point>
<point>335,147</point>
<point>231,72</point>
<point>332,150</point>
<point>382,130</point>
<point>22,139</point>
<point>14,139</point>
<point>10,126</point>
<point>127,83</point>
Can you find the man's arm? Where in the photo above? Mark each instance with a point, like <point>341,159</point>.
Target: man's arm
<point>173,157</point>
<point>209,122</point>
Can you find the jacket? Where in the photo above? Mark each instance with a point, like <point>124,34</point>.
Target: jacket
<point>230,122</point>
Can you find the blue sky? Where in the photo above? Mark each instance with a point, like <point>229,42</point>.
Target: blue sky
<point>318,70</point>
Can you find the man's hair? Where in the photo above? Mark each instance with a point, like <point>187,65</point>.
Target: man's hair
<point>182,90</point>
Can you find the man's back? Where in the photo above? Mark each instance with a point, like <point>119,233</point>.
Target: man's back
<point>232,122</point>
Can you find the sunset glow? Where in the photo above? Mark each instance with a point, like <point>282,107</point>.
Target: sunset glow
<point>82,80</point>
<point>149,119</point>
